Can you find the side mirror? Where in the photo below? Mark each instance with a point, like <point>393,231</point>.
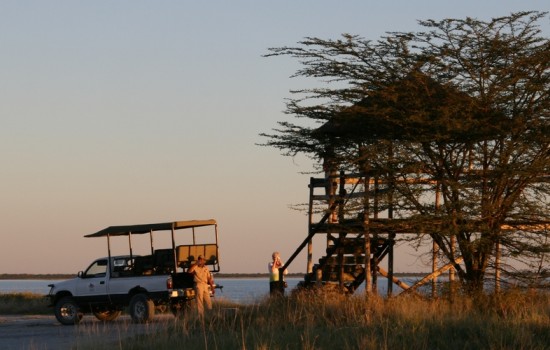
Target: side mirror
<point>80,274</point>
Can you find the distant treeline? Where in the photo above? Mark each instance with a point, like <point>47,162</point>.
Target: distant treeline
<point>27,276</point>
<point>61,276</point>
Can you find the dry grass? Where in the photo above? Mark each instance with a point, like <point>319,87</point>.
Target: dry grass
<point>24,304</point>
<point>516,320</point>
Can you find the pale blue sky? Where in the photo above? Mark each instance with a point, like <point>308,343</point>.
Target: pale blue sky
<point>127,112</point>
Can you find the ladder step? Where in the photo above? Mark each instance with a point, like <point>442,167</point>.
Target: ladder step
<point>356,246</point>
<point>351,273</point>
<point>351,269</point>
<point>347,260</point>
<point>350,249</point>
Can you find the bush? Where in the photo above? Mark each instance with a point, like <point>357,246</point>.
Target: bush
<point>24,304</point>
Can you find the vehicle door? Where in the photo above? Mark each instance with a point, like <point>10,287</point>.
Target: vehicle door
<point>122,277</point>
<point>93,282</point>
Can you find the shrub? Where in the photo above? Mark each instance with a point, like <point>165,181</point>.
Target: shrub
<point>24,304</point>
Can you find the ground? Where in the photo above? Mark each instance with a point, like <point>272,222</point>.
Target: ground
<point>44,332</point>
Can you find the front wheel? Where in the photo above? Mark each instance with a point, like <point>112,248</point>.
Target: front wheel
<point>107,315</point>
<point>142,309</point>
<point>67,311</point>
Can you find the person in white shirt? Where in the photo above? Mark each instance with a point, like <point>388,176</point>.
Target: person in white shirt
<point>273,268</point>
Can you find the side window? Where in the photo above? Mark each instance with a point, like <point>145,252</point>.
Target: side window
<point>122,267</point>
<point>97,269</point>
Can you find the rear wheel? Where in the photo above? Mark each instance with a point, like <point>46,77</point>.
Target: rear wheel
<point>142,309</point>
<point>67,311</point>
<point>107,315</point>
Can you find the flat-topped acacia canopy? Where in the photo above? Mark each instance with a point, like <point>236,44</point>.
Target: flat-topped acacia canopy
<point>147,228</point>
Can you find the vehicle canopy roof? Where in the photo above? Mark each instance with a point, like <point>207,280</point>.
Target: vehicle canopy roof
<point>147,228</point>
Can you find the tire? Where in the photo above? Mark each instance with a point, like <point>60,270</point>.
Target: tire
<point>67,311</point>
<point>142,309</point>
<point>107,315</point>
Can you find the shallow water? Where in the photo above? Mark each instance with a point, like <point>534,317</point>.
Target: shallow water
<point>240,290</point>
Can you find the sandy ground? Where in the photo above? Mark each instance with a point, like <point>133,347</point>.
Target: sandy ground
<point>44,332</point>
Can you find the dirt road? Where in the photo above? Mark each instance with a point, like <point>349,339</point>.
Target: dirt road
<point>45,333</point>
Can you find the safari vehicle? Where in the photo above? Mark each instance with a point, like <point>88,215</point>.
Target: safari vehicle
<point>142,283</point>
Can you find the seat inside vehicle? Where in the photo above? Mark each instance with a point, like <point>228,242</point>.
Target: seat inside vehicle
<point>188,254</point>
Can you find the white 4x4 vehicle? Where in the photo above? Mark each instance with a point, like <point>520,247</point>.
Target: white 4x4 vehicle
<point>140,282</point>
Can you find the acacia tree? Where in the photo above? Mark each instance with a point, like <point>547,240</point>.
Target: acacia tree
<point>465,103</point>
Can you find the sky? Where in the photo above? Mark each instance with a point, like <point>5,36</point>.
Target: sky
<point>133,112</point>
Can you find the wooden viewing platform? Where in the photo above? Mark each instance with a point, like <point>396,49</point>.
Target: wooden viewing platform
<point>361,233</point>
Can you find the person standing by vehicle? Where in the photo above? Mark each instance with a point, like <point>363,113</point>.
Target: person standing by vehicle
<point>202,277</point>
<point>273,267</point>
